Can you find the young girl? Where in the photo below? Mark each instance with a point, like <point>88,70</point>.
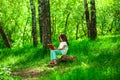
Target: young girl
<point>62,49</point>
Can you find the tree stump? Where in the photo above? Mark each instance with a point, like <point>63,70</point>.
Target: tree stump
<point>66,58</point>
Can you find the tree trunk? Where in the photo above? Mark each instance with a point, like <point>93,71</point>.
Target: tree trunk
<point>83,27</point>
<point>77,28</point>
<point>66,22</point>
<point>6,41</point>
<point>39,18</point>
<point>24,32</point>
<point>34,31</point>
<point>87,16</point>
<point>91,23</point>
<point>93,31</point>
<point>45,25</point>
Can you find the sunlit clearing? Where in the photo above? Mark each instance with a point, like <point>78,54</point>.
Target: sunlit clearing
<point>84,65</point>
<point>10,60</point>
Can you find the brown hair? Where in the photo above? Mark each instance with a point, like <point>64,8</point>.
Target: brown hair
<point>64,38</point>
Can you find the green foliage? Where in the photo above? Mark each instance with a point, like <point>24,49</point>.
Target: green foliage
<point>103,73</point>
<point>5,72</point>
<point>60,9</point>
<point>2,45</point>
<point>116,16</point>
<point>15,18</point>
<point>97,60</point>
<point>19,56</point>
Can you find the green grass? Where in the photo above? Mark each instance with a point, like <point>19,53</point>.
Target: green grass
<point>96,60</point>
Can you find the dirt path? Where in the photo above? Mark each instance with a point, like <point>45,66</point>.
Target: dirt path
<point>32,74</point>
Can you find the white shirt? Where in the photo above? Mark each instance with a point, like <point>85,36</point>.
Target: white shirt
<point>64,51</point>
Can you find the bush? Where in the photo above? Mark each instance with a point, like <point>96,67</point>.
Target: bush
<point>5,72</point>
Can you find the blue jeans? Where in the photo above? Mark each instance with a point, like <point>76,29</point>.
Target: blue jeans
<point>53,54</point>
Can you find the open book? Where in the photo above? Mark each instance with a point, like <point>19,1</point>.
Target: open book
<point>51,46</point>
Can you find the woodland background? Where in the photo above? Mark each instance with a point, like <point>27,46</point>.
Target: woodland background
<point>65,17</point>
<point>92,28</point>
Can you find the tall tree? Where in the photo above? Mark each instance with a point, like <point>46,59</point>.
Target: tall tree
<point>91,20</point>
<point>34,31</point>
<point>93,30</point>
<point>39,20</point>
<point>6,41</point>
<point>66,22</point>
<point>44,22</point>
<point>77,27</point>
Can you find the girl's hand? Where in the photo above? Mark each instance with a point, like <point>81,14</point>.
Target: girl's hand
<point>55,48</point>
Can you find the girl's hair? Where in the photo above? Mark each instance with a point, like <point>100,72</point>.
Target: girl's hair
<point>64,38</point>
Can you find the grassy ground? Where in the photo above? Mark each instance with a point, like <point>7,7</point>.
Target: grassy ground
<point>96,60</point>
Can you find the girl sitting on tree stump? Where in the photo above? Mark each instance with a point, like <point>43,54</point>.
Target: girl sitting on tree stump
<point>61,50</point>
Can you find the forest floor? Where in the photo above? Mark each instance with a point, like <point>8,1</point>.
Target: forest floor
<point>31,74</point>
<point>43,71</point>
<point>98,60</point>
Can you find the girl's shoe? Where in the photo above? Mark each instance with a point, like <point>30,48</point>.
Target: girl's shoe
<point>53,63</point>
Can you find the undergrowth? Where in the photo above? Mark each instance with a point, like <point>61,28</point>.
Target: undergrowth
<point>96,60</point>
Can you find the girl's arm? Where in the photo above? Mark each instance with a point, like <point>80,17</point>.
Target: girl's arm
<point>61,48</point>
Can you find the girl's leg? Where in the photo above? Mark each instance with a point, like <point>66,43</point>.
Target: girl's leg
<point>53,54</point>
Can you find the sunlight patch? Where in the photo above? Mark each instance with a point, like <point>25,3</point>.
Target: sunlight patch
<point>10,60</point>
<point>84,65</point>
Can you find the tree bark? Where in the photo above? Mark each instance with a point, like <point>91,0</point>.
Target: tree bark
<point>91,20</point>
<point>77,28</point>
<point>66,58</point>
<point>93,31</point>
<point>34,31</point>
<point>44,22</point>
<point>66,22</point>
<point>39,19</point>
<point>6,41</point>
<point>83,27</point>
<point>87,16</point>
